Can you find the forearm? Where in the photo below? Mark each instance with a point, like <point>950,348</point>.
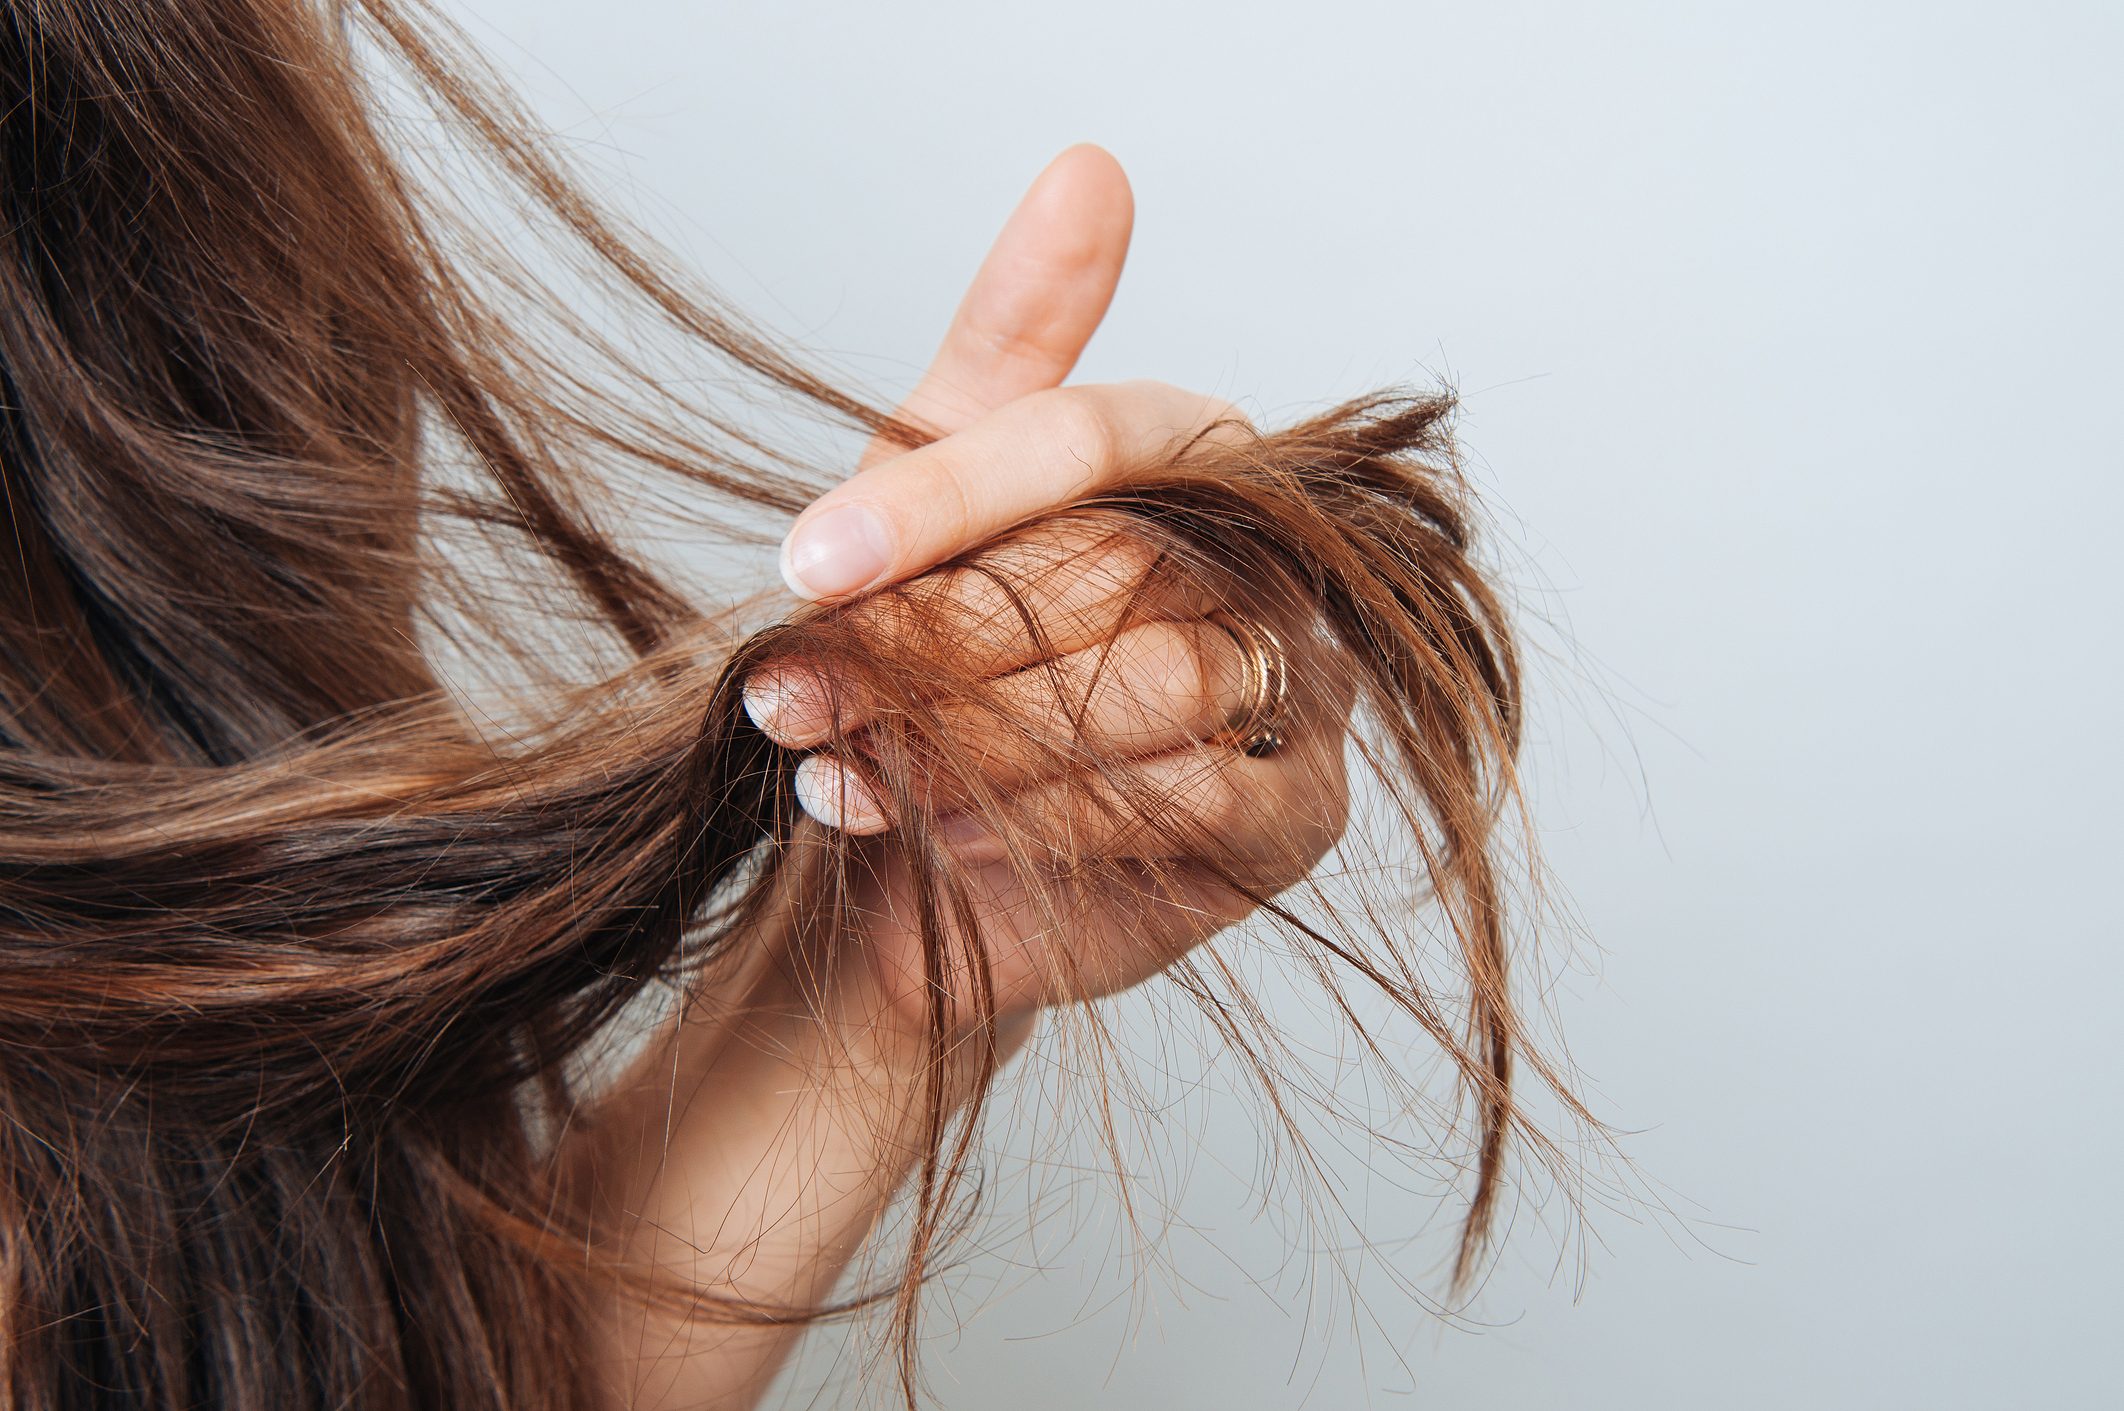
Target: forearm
<point>749,1155</point>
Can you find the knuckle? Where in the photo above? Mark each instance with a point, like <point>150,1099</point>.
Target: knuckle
<point>1120,689</point>
<point>1191,418</point>
<point>1224,424</point>
<point>1292,841</point>
<point>1289,824</point>
<point>1082,420</point>
<point>1331,818</point>
<point>1149,391</point>
<point>1164,662</point>
<point>1107,576</point>
<point>1218,412</point>
<point>997,337</point>
<point>1328,686</point>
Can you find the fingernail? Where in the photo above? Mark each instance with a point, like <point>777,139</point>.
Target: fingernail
<point>787,703</point>
<point>831,793</point>
<point>846,549</point>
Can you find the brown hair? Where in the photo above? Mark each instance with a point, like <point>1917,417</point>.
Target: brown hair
<point>298,953</point>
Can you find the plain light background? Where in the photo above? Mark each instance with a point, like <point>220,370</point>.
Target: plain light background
<point>1789,341</point>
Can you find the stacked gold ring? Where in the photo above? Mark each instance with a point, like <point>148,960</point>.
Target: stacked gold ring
<point>1253,727</point>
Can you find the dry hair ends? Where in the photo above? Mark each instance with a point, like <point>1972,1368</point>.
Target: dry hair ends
<point>297,959</point>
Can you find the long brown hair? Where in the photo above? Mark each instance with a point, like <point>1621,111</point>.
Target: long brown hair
<point>298,950</point>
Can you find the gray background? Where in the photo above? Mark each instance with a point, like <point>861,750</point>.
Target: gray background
<point>1789,342</point>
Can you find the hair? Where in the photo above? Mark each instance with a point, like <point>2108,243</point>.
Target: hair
<point>301,955</point>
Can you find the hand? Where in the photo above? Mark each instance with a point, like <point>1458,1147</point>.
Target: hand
<point>752,1147</point>
<point>1088,672</point>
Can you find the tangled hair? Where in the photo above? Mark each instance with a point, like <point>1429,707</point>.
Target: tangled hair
<point>301,951</point>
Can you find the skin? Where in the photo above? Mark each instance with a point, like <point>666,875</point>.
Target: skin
<point>755,1146</point>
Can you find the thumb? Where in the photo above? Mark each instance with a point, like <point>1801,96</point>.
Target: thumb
<point>1036,299</point>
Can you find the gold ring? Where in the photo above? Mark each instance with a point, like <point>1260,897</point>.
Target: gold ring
<point>1252,726</point>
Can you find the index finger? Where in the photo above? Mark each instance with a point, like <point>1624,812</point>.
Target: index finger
<point>1046,450</point>
<point>1035,302</point>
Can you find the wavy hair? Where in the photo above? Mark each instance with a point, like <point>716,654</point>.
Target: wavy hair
<point>301,953</point>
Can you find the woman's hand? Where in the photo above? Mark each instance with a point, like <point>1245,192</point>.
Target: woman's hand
<point>1077,669</point>
<point>755,1146</point>
<point>1085,671</point>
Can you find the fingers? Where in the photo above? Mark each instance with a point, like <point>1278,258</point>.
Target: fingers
<point>1156,688</point>
<point>909,513</point>
<point>1098,751</point>
<point>1067,589</point>
<point>1036,300</point>
<point>1229,829</point>
<point>1268,819</point>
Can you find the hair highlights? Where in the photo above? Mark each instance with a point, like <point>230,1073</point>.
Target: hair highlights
<point>297,955</point>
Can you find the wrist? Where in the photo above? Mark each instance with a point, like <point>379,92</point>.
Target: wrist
<point>855,1035</point>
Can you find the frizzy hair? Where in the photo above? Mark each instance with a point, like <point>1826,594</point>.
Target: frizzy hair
<point>299,959</point>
